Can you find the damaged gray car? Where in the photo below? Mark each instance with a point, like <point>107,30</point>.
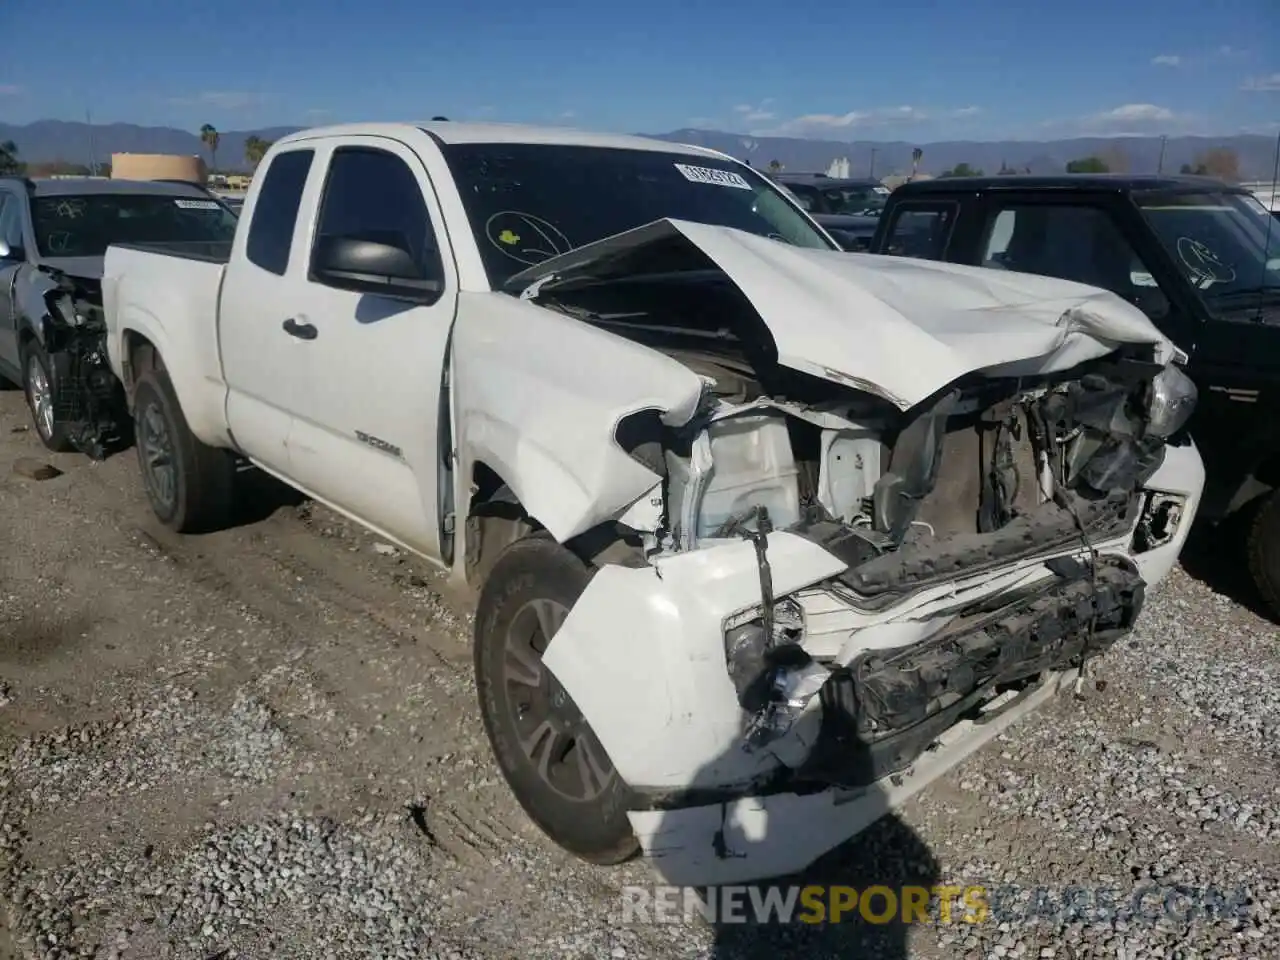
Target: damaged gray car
<point>53,235</point>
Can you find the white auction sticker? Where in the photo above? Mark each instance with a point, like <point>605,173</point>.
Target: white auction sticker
<point>197,204</point>
<point>721,178</point>
<point>883,191</point>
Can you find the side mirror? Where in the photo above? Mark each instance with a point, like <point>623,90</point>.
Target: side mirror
<point>382,266</point>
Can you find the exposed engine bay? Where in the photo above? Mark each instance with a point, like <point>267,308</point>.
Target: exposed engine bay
<point>87,397</point>
<point>990,472</point>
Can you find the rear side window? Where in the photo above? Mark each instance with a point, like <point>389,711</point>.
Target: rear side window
<point>921,231</point>
<point>374,195</point>
<point>276,212</point>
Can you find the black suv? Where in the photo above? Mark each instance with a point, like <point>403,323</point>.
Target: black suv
<point>1200,258</point>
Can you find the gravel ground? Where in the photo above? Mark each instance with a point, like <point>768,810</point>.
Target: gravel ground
<point>264,743</point>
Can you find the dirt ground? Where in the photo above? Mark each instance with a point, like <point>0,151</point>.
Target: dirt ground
<point>264,743</point>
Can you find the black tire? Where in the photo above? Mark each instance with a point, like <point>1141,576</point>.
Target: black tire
<point>595,827</point>
<point>1264,551</point>
<point>38,368</point>
<point>198,497</point>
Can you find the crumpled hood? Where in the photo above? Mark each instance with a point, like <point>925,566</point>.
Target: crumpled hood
<point>899,328</point>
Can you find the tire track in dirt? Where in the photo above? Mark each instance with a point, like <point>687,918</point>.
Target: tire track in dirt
<point>277,571</point>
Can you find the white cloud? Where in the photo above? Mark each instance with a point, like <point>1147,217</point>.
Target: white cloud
<point>1167,60</point>
<point>843,124</point>
<point>1230,52</point>
<point>220,100</point>
<point>1137,113</point>
<point>1127,120</point>
<point>755,112</point>
<point>1269,84</point>
<point>10,90</point>
<point>568,114</point>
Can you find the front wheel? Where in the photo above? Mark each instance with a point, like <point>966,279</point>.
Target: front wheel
<point>1264,551</point>
<point>38,384</point>
<point>188,483</point>
<point>547,751</point>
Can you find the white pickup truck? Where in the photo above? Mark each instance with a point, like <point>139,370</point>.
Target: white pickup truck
<point>765,536</point>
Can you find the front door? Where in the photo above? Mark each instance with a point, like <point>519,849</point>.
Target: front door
<point>366,439</point>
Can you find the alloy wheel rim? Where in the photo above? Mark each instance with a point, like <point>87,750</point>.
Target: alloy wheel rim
<point>551,731</point>
<point>40,396</point>
<point>156,447</point>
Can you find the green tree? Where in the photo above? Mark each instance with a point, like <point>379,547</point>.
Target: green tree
<point>209,137</point>
<point>962,170</point>
<point>255,148</point>
<point>9,162</point>
<point>775,166</point>
<point>1088,165</point>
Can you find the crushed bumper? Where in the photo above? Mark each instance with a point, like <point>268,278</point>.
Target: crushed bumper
<point>643,653</point>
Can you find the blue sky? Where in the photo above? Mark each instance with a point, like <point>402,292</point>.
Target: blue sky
<point>906,70</point>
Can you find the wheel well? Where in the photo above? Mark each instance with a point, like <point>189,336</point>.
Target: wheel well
<point>496,518</point>
<point>140,355</point>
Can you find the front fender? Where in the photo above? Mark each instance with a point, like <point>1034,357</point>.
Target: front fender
<point>539,397</point>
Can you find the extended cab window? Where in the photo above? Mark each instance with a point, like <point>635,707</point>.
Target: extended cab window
<point>1071,242</point>
<point>921,230</point>
<point>276,212</point>
<point>373,195</point>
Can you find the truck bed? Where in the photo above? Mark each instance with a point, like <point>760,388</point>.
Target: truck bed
<point>209,251</point>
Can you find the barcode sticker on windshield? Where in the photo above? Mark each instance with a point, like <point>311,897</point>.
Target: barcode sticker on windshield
<point>197,204</point>
<point>721,178</point>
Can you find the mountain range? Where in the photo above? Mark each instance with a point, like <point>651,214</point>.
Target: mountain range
<point>60,140</point>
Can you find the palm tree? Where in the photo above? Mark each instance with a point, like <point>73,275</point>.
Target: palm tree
<point>209,137</point>
<point>255,148</point>
<point>9,158</point>
<point>916,156</point>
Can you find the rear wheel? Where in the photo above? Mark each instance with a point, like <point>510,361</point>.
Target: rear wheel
<point>547,751</point>
<point>1264,550</point>
<point>188,483</point>
<point>38,382</point>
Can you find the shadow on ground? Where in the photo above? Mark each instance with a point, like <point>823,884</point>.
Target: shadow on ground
<point>1215,555</point>
<point>259,495</point>
<point>889,854</point>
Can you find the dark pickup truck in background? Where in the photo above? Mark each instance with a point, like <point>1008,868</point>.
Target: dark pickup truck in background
<point>1200,258</point>
<point>848,208</point>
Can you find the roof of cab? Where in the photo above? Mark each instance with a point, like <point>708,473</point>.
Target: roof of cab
<point>1082,182</point>
<point>82,186</point>
<point>450,132</point>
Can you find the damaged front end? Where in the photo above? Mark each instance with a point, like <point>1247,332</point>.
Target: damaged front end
<point>986,477</point>
<point>835,580</point>
<point>88,399</point>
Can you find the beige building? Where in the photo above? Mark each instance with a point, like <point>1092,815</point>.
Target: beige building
<point>158,166</point>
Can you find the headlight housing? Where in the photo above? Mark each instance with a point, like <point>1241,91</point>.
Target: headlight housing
<point>1172,401</point>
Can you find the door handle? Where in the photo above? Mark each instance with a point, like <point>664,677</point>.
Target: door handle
<point>303,331</point>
